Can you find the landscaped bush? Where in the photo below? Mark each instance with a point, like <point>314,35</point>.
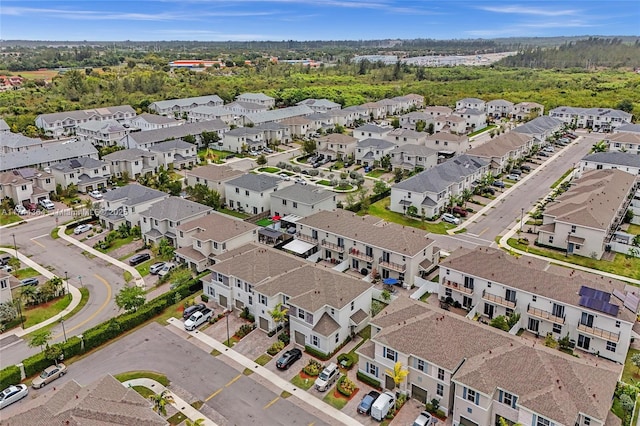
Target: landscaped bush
<point>368,380</point>
<point>345,386</point>
<point>245,314</point>
<point>275,348</point>
<point>346,360</point>
<point>313,368</point>
<point>72,347</point>
<point>9,376</point>
<point>318,354</point>
<point>284,337</point>
<point>35,364</point>
<point>244,330</point>
<point>204,298</point>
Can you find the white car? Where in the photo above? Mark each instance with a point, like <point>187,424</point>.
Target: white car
<point>448,217</point>
<point>13,394</point>
<point>20,209</point>
<point>512,177</point>
<point>156,267</point>
<point>47,204</point>
<point>284,176</point>
<point>96,194</point>
<point>424,419</point>
<point>168,267</point>
<point>82,228</point>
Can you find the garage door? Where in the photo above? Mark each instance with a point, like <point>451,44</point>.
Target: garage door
<point>223,301</point>
<point>264,324</point>
<point>299,337</point>
<point>389,383</point>
<point>418,394</point>
<point>467,422</point>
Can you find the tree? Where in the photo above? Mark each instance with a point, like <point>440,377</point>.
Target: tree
<point>278,314</point>
<point>599,147</point>
<point>308,146</point>
<point>8,312</point>
<point>626,402</point>
<point>395,122</point>
<point>412,210</point>
<point>29,293</point>
<point>53,353</point>
<point>385,162</point>
<point>397,175</point>
<point>636,241</point>
<point>466,195</point>
<point>379,187</point>
<point>165,249</point>
<point>197,422</point>
<point>130,298</point>
<point>160,401</point>
<point>14,262</point>
<point>189,138</point>
<point>431,128</point>
<point>261,160</point>
<point>503,422</point>
<point>635,360</point>
<point>625,105</point>
<point>398,374</point>
<point>40,338</point>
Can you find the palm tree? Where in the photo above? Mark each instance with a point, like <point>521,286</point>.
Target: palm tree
<point>466,195</point>
<point>279,314</point>
<point>599,147</point>
<point>197,422</point>
<point>29,293</point>
<point>160,401</point>
<point>398,374</point>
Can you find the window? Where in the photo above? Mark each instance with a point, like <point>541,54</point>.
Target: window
<point>284,202</point>
<point>390,354</point>
<point>420,365</point>
<point>295,205</point>
<point>246,193</point>
<point>551,238</point>
<point>372,369</point>
<point>468,282</point>
<point>489,284</point>
<point>337,337</point>
<point>315,341</point>
<point>611,346</point>
<point>573,229</point>
<point>199,243</point>
<point>510,295</point>
<point>587,421</point>
<point>262,299</point>
<point>238,283</point>
<point>471,395</point>
<point>3,284</point>
<point>541,421</point>
<point>353,305</point>
<point>301,314</point>
<point>237,190</point>
<point>557,328</point>
<point>535,298</point>
<point>440,374</point>
<point>440,389</point>
<point>617,324</point>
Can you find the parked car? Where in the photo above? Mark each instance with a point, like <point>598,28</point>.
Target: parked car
<point>4,259</point>
<point>47,204</point>
<point>139,258</point>
<point>498,184</point>
<point>288,358</point>
<point>96,194</point>
<point>198,318</point>
<point>327,377</point>
<point>192,310</point>
<point>543,154</point>
<point>32,207</point>
<point>20,210</point>
<point>365,405</point>
<point>168,267</point>
<point>459,210</point>
<point>6,268</point>
<point>424,419</point>
<point>382,405</point>
<point>268,150</point>
<point>30,281</point>
<point>516,172</point>
<point>301,181</point>
<point>548,148</point>
<point>512,177</point>
<point>284,176</point>
<point>82,228</point>
<point>13,394</point>
<point>490,191</point>
<point>49,375</point>
<point>525,168</point>
<point>156,267</point>
<point>448,217</point>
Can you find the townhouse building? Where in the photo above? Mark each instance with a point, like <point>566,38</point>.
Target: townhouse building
<point>624,142</point>
<point>101,133</point>
<point>320,105</point>
<point>301,201</point>
<point>242,108</point>
<point>503,150</point>
<point>371,150</point>
<point>391,106</point>
<point>624,161</point>
<point>583,219</point>
<point>412,157</point>
<point>179,106</point>
<point>411,119</point>
<point>146,139</point>
<point>5,287</point>
<point>146,121</point>
<point>631,128</point>
<point>368,130</point>
<point>321,121</point>
<point>162,218</point>
<point>276,115</point>
<point>337,146</point>
<point>16,142</point>
<point>343,117</point>
<point>375,110</point>
<point>125,203</point>
<point>597,119</point>
<point>499,108</point>
<point>48,155</point>
<point>402,136</point>
<point>451,123</point>
<point>410,101</point>
<point>448,143</point>
<point>212,175</point>
<point>61,123</point>
<point>596,313</point>
<point>360,113</point>
<point>133,162</point>
<point>243,139</point>
<point>325,307</point>
<point>475,103</point>
<point>299,127</point>
<point>257,98</point>
<point>86,173</point>
<point>474,119</point>
<point>207,113</point>
<point>368,245</point>
<point>251,192</point>
<point>275,133</point>
<point>430,191</point>
<point>200,240</point>
<point>26,185</point>
<point>527,110</point>
<point>437,111</point>
<point>541,128</point>
<point>175,153</point>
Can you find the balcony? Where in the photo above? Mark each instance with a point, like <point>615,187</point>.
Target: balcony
<point>391,265</point>
<point>331,246</point>
<point>360,255</point>
<point>545,315</point>
<point>306,238</point>
<point>499,300</point>
<point>598,332</point>
<point>457,287</point>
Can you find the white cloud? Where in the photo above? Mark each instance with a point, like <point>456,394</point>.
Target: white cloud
<point>523,10</point>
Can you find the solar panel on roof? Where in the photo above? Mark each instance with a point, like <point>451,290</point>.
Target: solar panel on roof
<point>631,302</point>
<point>611,309</point>
<point>74,163</point>
<point>620,295</point>
<point>594,294</point>
<point>586,291</point>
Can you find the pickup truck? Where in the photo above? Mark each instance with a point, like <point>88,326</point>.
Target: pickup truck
<point>198,318</point>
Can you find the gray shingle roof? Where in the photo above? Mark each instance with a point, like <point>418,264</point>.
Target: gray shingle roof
<point>631,128</point>
<point>255,182</point>
<point>108,126</point>
<point>438,178</point>
<point>174,209</point>
<point>303,194</point>
<point>131,154</point>
<point>176,132</point>
<point>171,145</point>
<point>325,103</point>
<point>270,126</point>
<point>279,114</point>
<point>373,128</point>
<point>244,131</point>
<point>18,140</point>
<point>376,143</point>
<point>255,96</point>
<point>218,111</point>
<point>87,113</point>
<point>50,152</point>
<point>246,105</point>
<point>155,118</point>
<point>500,102</point>
<point>599,112</point>
<point>541,124</point>
<point>198,100</point>
<point>4,127</point>
<point>614,158</point>
<point>134,194</point>
<point>471,100</point>
<point>76,163</point>
<point>414,149</point>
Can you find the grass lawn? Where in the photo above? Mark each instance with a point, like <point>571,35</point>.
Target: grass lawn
<point>620,264</point>
<point>337,402</point>
<point>633,229</point>
<point>556,183</point>
<point>234,213</point>
<point>6,219</point>
<point>116,244</point>
<point>145,392</point>
<point>376,173</point>
<point>54,233</point>
<point>143,268</point>
<point>324,182</point>
<point>177,418</point>
<point>44,311</point>
<point>21,274</point>
<point>379,209</point>
<point>83,301</point>
<point>304,384</point>
<point>264,222</point>
<point>269,169</point>
<point>174,310</point>
<point>263,359</point>
<point>630,373</point>
<point>484,129</point>
<point>130,375</point>
<point>344,187</point>
<point>617,408</point>
<point>424,297</point>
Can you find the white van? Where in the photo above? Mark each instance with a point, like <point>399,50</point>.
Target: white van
<point>327,378</point>
<point>382,405</point>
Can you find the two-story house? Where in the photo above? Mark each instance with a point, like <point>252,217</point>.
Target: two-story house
<point>243,139</point>
<point>541,128</point>
<point>372,150</point>
<point>550,300</point>
<point>179,106</point>
<point>200,240</point>
<point>125,203</point>
<point>257,98</point>
<point>436,111</point>
<point>134,162</point>
<point>448,143</point>
<point>624,161</point>
<point>583,220</point>
<point>251,192</point>
<point>368,245</point>
<point>47,155</point>
<point>101,133</point>
<point>527,110</point>
<point>451,123</point>
<point>162,218</point>
<point>474,119</point>
<point>499,108</point>
<point>213,176</point>
<point>274,133</point>
<point>429,191</point>
<point>474,103</point>
<point>149,138</point>
<point>402,136</point>
<point>368,130</point>
<point>336,146</point>
<point>624,142</point>
<point>409,101</point>
<point>242,108</point>
<point>411,119</point>
<point>301,200</point>
<point>148,121</point>
<point>26,185</point>
<point>320,105</point>
<point>7,281</point>
<point>299,127</point>
<point>60,123</point>
<point>502,150</point>
<point>598,119</point>
<point>85,173</point>
<point>412,156</point>
<point>207,113</point>
<point>276,115</point>
<point>15,142</point>
<point>375,110</point>
<point>175,153</point>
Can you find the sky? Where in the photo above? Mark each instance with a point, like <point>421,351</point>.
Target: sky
<point>252,20</point>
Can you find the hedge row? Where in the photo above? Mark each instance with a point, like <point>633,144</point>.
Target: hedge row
<point>9,376</point>
<point>368,380</point>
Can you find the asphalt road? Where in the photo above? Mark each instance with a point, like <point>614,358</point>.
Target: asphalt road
<point>101,278</point>
<point>194,375</point>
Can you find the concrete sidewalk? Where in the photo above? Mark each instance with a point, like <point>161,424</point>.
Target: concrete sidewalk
<point>178,403</point>
<point>133,271</point>
<point>272,377</point>
<point>75,295</point>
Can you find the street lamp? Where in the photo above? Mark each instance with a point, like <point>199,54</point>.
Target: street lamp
<point>15,247</point>
<point>66,278</point>
<point>64,332</point>
<point>80,278</point>
<point>19,306</point>
<point>227,312</point>
<point>521,218</point>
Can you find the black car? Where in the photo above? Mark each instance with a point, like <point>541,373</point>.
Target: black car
<point>498,184</point>
<point>367,401</point>
<point>289,357</point>
<point>526,168</point>
<point>191,309</point>
<point>139,258</point>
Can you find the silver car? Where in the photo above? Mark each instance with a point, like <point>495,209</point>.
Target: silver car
<point>13,394</point>
<point>49,375</point>
<point>156,267</point>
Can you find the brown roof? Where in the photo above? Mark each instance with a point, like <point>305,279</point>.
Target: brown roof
<point>214,172</point>
<point>190,253</point>
<point>293,121</point>
<point>338,138</point>
<point>217,227</point>
<point>533,277</point>
<point>593,200</point>
<point>368,350</point>
<point>326,325</point>
<point>370,230</point>
<point>446,136</point>
<point>9,178</point>
<point>624,137</point>
<point>359,316</point>
<point>441,109</point>
<point>500,145</point>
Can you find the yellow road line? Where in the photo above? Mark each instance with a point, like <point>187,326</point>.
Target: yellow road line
<point>232,381</point>
<point>40,244</point>
<point>483,231</point>
<point>93,315</point>
<point>213,394</point>
<point>272,402</point>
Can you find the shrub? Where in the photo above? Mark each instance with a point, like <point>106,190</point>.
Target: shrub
<point>345,386</point>
<point>204,298</point>
<point>400,401</point>
<point>346,360</point>
<point>9,376</point>
<point>275,348</point>
<point>244,330</point>
<point>313,368</point>
<point>245,314</point>
<point>35,364</point>
<point>284,337</point>
<point>72,347</point>
<point>368,380</point>
<point>318,354</point>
